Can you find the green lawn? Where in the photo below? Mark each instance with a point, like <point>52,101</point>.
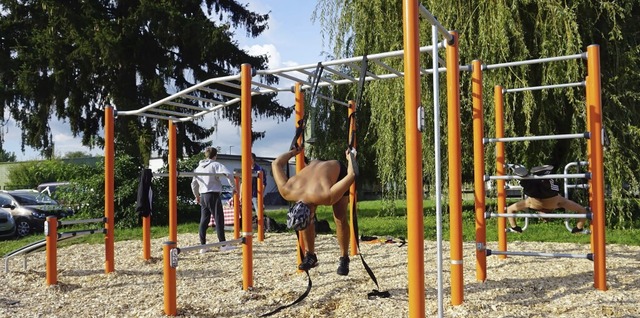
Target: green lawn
<point>372,223</point>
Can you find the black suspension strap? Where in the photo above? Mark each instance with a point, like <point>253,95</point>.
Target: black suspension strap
<point>303,296</point>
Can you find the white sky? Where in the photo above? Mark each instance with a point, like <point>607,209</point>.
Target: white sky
<point>292,39</point>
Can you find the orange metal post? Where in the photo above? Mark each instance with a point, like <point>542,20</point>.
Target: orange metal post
<point>236,209</point>
<point>299,110</point>
<point>109,213</point>
<point>455,170</point>
<point>478,171</point>
<point>597,169</point>
<point>173,183</point>
<point>169,279</point>
<point>352,189</point>
<point>245,146</point>
<point>51,232</point>
<point>415,221</point>
<point>500,193</point>
<point>260,207</point>
<point>589,97</point>
<point>146,238</point>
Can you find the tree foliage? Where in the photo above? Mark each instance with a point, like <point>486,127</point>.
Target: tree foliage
<point>69,59</point>
<point>498,32</point>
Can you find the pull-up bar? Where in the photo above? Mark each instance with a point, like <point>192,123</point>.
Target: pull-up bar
<point>427,14</point>
<point>536,61</point>
<point>585,135</point>
<point>537,88</point>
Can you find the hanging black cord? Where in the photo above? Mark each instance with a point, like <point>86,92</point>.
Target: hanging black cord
<point>303,296</point>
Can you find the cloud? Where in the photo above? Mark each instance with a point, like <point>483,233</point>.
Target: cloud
<point>269,50</point>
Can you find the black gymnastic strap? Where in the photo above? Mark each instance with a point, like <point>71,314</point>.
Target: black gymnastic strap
<point>303,296</point>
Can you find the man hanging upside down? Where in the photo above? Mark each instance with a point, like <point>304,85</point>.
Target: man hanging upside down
<point>319,183</point>
<point>542,196</point>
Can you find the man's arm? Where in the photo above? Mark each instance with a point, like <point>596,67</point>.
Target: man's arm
<point>195,188</point>
<point>278,165</point>
<point>342,186</point>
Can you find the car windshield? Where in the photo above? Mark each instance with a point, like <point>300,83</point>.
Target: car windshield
<point>33,198</point>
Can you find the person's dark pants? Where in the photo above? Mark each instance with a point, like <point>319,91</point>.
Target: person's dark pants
<point>210,203</point>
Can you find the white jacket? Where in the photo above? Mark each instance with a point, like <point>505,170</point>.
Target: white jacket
<point>210,183</point>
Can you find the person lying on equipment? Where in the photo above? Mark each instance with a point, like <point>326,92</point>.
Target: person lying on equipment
<point>319,183</point>
<point>542,196</point>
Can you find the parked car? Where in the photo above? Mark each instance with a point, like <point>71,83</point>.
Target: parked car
<point>30,208</point>
<point>7,225</point>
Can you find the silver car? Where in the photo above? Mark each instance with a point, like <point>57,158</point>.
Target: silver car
<point>7,224</point>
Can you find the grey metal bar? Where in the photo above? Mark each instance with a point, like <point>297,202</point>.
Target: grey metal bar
<point>268,87</point>
<point>336,72</point>
<point>537,88</point>
<point>168,112</point>
<point>332,100</point>
<point>544,137</point>
<point>437,161</point>
<point>80,232</point>
<point>199,108</point>
<point>387,67</point>
<point>216,244</point>
<point>189,174</point>
<point>548,176</point>
<point>427,14</point>
<point>219,92</point>
<point>559,255</point>
<point>203,99</point>
<point>538,215</point>
<point>538,61</point>
<point>69,222</point>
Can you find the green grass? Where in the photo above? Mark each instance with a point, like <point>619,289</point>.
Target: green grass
<point>371,222</point>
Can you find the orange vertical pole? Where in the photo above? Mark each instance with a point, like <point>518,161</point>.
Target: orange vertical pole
<point>500,193</point>
<point>109,213</point>
<point>589,97</point>
<point>596,167</point>
<point>169,280</point>
<point>455,170</point>
<point>415,221</point>
<point>299,111</point>
<point>173,182</point>
<point>236,209</point>
<point>260,207</point>
<point>146,238</point>
<point>51,232</point>
<point>478,171</point>
<point>245,146</point>
<point>352,190</point>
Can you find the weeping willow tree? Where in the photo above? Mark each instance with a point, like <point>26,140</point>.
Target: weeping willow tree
<point>498,32</point>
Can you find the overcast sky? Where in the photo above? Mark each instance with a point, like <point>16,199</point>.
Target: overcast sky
<point>292,39</point>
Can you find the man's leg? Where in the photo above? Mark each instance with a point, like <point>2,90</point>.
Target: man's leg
<point>573,206</point>
<point>343,231</point>
<point>514,208</point>
<point>218,213</point>
<point>205,215</point>
<point>309,236</point>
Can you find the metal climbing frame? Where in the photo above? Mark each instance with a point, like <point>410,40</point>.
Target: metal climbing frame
<point>594,151</point>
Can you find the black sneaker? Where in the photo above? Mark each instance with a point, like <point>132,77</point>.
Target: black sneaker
<point>343,268</point>
<point>515,229</point>
<point>309,261</point>
<point>577,230</point>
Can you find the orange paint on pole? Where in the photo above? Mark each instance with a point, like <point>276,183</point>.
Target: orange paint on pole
<point>236,209</point>
<point>109,205</point>
<point>51,232</point>
<point>500,193</point>
<point>455,170</point>
<point>352,189</point>
<point>173,183</point>
<point>146,238</point>
<point>299,111</point>
<point>245,146</point>
<point>596,167</point>
<point>478,171</point>
<point>413,152</point>
<point>260,207</point>
<point>169,280</point>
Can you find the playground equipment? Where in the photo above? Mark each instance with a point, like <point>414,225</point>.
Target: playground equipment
<point>595,163</point>
<point>216,93</point>
<point>52,236</point>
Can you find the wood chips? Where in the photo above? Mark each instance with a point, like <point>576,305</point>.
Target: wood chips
<point>210,284</point>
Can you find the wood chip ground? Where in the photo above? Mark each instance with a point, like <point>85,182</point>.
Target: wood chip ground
<point>210,284</point>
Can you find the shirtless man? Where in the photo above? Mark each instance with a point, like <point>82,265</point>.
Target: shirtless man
<point>319,183</point>
<point>543,196</point>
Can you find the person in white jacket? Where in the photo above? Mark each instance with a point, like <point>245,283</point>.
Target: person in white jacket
<point>206,187</point>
